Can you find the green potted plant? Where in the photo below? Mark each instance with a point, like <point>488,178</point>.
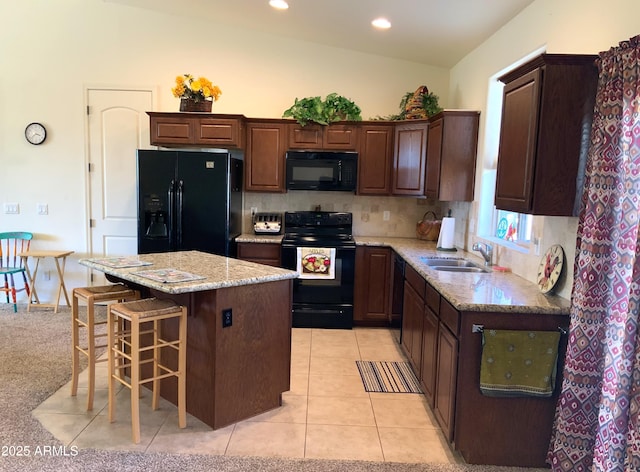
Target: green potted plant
<point>313,109</point>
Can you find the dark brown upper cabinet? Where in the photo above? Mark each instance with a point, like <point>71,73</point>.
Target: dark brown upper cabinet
<point>409,158</point>
<point>336,136</point>
<point>547,111</point>
<point>452,143</point>
<point>264,166</point>
<point>375,159</point>
<point>196,129</point>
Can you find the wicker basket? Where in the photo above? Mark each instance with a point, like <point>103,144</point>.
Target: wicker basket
<point>187,104</point>
<point>428,230</point>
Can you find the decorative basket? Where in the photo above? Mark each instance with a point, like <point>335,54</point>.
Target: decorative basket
<point>428,230</point>
<point>187,104</point>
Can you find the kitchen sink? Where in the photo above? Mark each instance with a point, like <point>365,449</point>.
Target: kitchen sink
<point>453,265</point>
<point>460,269</point>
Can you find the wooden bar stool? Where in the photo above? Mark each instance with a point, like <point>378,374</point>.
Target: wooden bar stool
<point>91,295</point>
<point>125,349</point>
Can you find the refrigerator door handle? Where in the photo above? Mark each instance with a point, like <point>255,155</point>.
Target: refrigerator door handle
<point>172,205</point>
<point>179,214</point>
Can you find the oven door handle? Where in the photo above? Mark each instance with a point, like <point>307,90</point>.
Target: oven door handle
<point>316,310</point>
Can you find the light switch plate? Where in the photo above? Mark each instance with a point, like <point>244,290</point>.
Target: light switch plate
<point>11,208</point>
<point>43,209</point>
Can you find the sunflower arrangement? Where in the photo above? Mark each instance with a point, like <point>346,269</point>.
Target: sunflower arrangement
<point>200,89</point>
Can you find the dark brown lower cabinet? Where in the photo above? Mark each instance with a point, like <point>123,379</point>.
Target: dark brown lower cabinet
<point>412,317</point>
<point>446,354</point>
<point>429,355</point>
<point>446,372</point>
<point>262,253</point>
<point>372,292</point>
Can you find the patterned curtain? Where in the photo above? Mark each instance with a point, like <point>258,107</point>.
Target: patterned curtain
<point>597,416</point>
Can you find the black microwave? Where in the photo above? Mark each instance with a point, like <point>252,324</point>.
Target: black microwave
<point>322,170</point>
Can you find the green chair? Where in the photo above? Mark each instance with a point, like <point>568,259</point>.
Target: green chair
<point>12,244</point>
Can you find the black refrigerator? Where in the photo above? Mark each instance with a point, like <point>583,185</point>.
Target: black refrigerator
<point>189,200</point>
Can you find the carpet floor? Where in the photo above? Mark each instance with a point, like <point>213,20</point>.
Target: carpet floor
<point>35,362</point>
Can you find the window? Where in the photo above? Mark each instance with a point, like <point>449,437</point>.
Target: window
<point>512,227</point>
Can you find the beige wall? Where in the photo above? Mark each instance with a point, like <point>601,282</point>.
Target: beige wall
<point>50,51</point>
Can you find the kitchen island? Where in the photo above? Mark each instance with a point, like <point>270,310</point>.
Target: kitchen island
<point>238,328</point>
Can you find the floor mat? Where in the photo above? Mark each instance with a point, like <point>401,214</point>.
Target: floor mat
<point>388,377</point>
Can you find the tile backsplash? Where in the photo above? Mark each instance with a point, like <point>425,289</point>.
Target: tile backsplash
<point>368,212</point>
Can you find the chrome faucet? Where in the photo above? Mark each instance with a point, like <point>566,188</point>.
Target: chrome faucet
<point>486,251</point>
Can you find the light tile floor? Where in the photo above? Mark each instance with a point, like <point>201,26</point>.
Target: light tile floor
<point>327,413</point>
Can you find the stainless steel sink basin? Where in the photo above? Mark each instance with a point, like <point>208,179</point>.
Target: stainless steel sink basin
<point>460,269</point>
<point>453,264</point>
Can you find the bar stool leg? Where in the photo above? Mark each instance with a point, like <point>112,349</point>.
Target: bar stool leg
<point>75,336</point>
<point>155,384</point>
<point>91,349</point>
<point>182,367</point>
<point>135,381</point>
<point>111,360</point>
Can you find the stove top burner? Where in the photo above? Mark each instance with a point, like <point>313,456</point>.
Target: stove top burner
<point>318,227</point>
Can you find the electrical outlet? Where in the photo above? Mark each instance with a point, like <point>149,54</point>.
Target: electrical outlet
<point>254,210</point>
<point>537,242</point>
<point>43,209</point>
<point>386,215</point>
<point>227,318</point>
<point>11,208</point>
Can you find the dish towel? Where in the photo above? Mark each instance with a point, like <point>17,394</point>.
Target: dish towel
<point>518,363</point>
<point>316,263</point>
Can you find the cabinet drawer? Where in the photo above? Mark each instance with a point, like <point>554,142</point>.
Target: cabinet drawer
<point>449,316</point>
<point>305,137</point>
<point>432,298</point>
<point>340,137</point>
<point>415,280</point>
<point>171,131</point>
<point>224,132</point>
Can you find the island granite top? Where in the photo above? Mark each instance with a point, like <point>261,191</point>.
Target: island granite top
<point>214,271</point>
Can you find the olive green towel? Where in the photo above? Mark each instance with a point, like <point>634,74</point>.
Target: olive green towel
<point>518,363</point>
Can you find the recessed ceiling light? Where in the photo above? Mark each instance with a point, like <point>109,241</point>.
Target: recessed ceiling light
<point>381,23</point>
<point>279,4</point>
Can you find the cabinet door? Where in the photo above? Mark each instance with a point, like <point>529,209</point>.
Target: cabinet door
<point>434,153</point>
<point>452,143</point>
<point>222,132</point>
<point>445,390</point>
<point>261,253</point>
<point>412,319</point>
<point>375,160</point>
<point>372,297</point>
<point>265,157</point>
<point>429,354</point>
<point>518,136</point>
<point>342,137</point>
<point>305,137</point>
<point>171,130</point>
<point>409,159</point>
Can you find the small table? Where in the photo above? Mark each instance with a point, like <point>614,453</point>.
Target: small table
<point>57,257</point>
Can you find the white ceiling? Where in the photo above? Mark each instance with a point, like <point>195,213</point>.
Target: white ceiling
<point>434,32</point>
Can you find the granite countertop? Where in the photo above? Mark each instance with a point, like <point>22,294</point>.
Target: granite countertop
<point>466,291</point>
<point>471,291</point>
<point>259,238</point>
<point>218,271</point>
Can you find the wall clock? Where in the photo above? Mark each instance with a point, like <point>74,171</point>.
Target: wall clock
<point>35,133</point>
<point>550,268</point>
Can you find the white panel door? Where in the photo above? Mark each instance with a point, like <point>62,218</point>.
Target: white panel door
<point>117,125</point>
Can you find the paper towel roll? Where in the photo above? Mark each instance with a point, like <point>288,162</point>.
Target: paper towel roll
<point>447,233</point>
